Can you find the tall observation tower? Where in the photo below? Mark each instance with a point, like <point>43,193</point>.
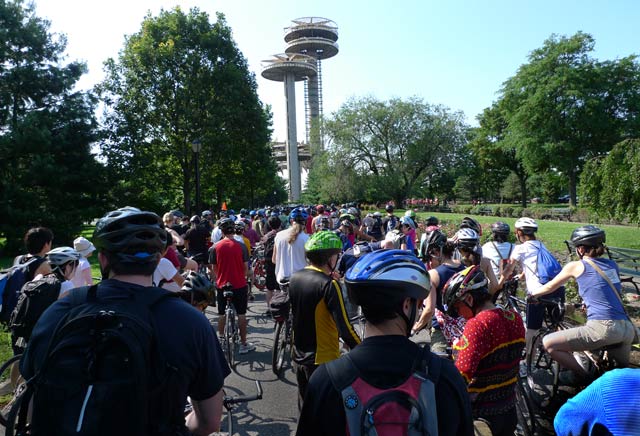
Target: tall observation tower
<point>315,37</point>
<point>291,69</point>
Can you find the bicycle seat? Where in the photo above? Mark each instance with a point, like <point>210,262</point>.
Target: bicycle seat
<point>227,294</point>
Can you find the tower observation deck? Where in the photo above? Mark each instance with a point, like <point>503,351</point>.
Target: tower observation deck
<point>291,69</point>
<point>315,37</point>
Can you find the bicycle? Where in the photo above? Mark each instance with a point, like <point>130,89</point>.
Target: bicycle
<point>231,333</point>
<point>283,332</point>
<point>12,385</point>
<point>229,402</point>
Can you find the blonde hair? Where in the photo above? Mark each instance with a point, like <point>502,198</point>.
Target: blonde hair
<point>296,229</point>
<point>168,217</point>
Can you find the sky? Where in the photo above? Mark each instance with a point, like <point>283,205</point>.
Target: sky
<point>451,52</point>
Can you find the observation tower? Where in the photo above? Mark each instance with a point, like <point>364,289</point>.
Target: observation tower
<point>291,69</point>
<point>315,37</point>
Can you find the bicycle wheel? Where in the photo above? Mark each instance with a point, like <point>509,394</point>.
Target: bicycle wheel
<point>229,339</point>
<point>279,348</point>
<point>10,378</point>
<point>542,370</point>
<point>525,410</point>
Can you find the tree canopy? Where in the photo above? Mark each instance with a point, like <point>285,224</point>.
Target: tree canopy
<point>48,175</point>
<point>179,80</point>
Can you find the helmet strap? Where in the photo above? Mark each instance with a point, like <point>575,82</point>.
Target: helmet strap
<point>411,319</point>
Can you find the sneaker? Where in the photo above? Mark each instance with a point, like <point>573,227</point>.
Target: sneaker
<point>245,348</point>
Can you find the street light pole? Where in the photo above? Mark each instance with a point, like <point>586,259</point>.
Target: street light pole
<point>196,146</point>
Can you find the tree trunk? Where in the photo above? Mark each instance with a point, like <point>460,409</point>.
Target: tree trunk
<point>523,189</point>
<point>572,188</point>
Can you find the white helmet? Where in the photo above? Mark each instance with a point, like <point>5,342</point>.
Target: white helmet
<point>62,255</point>
<point>467,238</point>
<point>527,225</point>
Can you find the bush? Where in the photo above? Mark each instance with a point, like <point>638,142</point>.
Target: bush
<point>516,212</point>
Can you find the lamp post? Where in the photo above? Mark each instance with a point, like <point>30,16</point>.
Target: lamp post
<point>196,146</point>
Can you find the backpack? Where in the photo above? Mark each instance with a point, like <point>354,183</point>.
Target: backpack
<point>504,261</point>
<point>408,409</point>
<point>280,305</point>
<point>547,266</point>
<point>269,243</point>
<point>397,237</point>
<point>11,281</point>
<point>35,297</point>
<point>103,372</point>
<point>376,228</point>
<point>392,223</point>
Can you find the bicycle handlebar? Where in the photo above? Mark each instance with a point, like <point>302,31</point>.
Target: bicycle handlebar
<point>229,400</point>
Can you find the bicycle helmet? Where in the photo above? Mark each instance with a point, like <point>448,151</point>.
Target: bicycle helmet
<point>299,215</point>
<point>432,221</point>
<point>323,223</point>
<point>460,284</point>
<point>243,211</point>
<point>252,213</point>
<point>196,288</point>
<point>58,257</point>
<point>226,226</point>
<point>467,238</point>
<point>589,235</point>
<point>377,214</point>
<point>387,273</point>
<point>240,225</point>
<point>347,217</point>
<point>408,221</point>
<point>320,208</point>
<point>528,226</point>
<point>410,213</point>
<point>261,212</point>
<point>195,220</point>
<point>353,211</point>
<point>134,236</point>
<point>470,223</point>
<point>435,239</point>
<point>206,214</point>
<point>389,208</point>
<point>323,241</point>
<point>500,228</point>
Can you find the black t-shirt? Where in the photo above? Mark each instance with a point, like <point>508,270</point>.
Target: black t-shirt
<point>185,338</point>
<point>197,238</point>
<point>384,362</point>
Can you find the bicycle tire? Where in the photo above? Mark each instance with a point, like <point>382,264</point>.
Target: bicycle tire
<point>279,348</point>
<point>229,337</point>
<point>5,410</point>
<point>538,359</point>
<point>525,410</point>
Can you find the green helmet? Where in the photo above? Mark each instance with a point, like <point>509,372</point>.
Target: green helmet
<point>323,240</point>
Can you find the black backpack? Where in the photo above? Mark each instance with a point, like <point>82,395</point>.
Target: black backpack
<point>103,372</point>
<point>11,281</point>
<point>35,297</point>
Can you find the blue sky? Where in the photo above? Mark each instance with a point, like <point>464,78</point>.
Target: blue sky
<point>455,53</point>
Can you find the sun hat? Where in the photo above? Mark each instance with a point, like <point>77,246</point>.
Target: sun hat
<point>83,246</point>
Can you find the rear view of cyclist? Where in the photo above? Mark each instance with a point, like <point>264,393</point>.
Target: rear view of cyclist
<point>498,249</point>
<point>319,313</point>
<point>489,350</point>
<point>196,290</point>
<point>599,287</point>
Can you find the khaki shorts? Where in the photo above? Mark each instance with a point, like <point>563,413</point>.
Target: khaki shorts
<point>597,334</point>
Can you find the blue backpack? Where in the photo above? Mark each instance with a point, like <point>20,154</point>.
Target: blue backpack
<point>547,266</point>
<point>11,281</point>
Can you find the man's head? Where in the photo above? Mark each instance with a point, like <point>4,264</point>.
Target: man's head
<point>320,208</point>
<point>322,249</point>
<point>388,284</point>
<point>63,261</point>
<point>274,222</point>
<point>500,231</point>
<point>240,226</point>
<point>130,241</point>
<point>207,215</point>
<point>588,240</point>
<point>36,240</point>
<point>195,221</point>
<point>465,292</point>
<point>168,219</point>
<point>227,226</point>
<point>526,228</point>
<point>298,215</point>
<point>389,208</point>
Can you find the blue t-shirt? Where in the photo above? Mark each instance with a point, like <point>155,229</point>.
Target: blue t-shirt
<point>445,272</point>
<point>185,338</point>
<point>596,293</point>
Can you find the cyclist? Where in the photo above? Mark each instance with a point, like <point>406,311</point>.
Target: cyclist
<point>288,248</point>
<point>489,350</point>
<point>440,250</point>
<point>268,240</point>
<point>196,290</point>
<point>389,285</point>
<point>166,275</point>
<point>129,242</point>
<point>498,249</point>
<point>408,227</point>
<point>319,313</point>
<point>599,287</point>
<point>207,220</point>
<point>230,265</point>
<point>471,223</point>
<point>195,240</point>
<point>390,222</point>
<point>82,276</point>
<point>525,254</point>
<point>468,245</point>
<point>37,241</point>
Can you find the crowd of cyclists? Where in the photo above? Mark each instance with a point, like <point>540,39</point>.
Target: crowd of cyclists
<point>405,276</point>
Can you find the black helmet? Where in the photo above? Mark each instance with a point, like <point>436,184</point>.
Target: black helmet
<point>435,239</point>
<point>196,288</point>
<point>460,284</point>
<point>226,226</point>
<point>589,235</point>
<point>389,208</point>
<point>432,221</point>
<point>500,228</point>
<point>131,233</point>
<point>195,219</point>
<point>470,223</point>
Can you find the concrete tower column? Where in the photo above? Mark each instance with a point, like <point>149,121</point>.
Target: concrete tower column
<point>293,164</point>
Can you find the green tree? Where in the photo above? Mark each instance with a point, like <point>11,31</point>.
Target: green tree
<point>48,175</point>
<point>612,183</point>
<point>564,107</point>
<point>178,80</point>
<point>401,144</point>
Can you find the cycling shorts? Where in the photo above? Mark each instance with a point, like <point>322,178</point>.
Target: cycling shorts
<point>240,301</point>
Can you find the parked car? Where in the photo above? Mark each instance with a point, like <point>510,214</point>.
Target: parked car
<point>564,199</point>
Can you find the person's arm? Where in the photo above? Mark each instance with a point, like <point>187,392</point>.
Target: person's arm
<point>494,284</point>
<point>177,277</point>
<point>335,304</point>
<point>205,417</point>
<point>570,270</point>
<point>273,256</point>
<point>177,239</point>
<point>430,303</point>
<point>87,278</point>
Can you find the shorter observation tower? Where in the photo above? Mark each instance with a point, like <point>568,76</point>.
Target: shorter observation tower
<point>291,68</point>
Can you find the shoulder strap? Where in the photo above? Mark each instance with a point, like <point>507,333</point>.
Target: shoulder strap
<point>342,373</point>
<point>604,276</point>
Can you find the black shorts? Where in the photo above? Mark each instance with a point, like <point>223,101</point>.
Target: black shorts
<point>239,301</point>
<point>270,275</point>
<point>535,312</point>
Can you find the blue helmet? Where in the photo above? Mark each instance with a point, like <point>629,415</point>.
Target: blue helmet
<point>252,213</point>
<point>388,272</point>
<point>299,215</point>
